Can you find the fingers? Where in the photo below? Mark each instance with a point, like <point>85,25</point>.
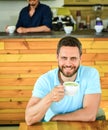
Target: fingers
<point>6,28</point>
<point>57,93</point>
<point>21,30</point>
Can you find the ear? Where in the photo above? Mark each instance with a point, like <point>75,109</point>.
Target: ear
<point>57,56</point>
<point>80,58</point>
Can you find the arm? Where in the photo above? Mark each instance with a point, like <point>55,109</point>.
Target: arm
<point>37,107</point>
<point>43,24</point>
<point>87,113</point>
<point>42,28</point>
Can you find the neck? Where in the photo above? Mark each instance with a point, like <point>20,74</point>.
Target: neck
<point>63,78</point>
<point>33,6</point>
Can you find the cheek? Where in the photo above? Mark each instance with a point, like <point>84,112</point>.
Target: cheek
<point>61,63</point>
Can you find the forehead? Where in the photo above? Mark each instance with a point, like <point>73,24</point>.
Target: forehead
<point>68,50</point>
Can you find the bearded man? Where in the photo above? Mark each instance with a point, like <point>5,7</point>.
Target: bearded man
<point>49,102</point>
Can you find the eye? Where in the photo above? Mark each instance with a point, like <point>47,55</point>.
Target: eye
<point>64,58</point>
<point>74,58</point>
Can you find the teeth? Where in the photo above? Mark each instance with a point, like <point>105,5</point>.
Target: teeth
<point>68,68</point>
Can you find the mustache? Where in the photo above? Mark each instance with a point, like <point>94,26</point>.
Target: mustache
<point>68,67</point>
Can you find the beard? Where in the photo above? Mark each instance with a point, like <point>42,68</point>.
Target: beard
<point>72,70</point>
<point>32,3</point>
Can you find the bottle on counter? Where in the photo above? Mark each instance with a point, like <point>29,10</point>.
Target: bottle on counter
<point>99,21</point>
<point>78,18</point>
<point>74,22</point>
<point>88,22</point>
<point>99,25</point>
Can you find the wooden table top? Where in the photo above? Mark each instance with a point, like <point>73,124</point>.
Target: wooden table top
<point>97,125</point>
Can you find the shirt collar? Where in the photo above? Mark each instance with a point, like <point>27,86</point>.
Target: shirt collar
<point>78,75</point>
<point>36,7</point>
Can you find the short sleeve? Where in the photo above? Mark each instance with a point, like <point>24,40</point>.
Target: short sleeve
<point>93,84</point>
<point>49,114</point>
<point>41,88</point>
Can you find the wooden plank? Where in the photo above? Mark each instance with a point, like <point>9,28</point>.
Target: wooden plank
<point>30,45</point>
<point>9,51</point>
<point>88,63</point>
<point>14,99</point>
<point>15,93</point>
<point>100,39</point>
<point>101,62</point>
<point>104,98</point>
<point>86,44</point>
<point>11,111</point>
<point>104,103</point>
<point>50,40</point>
<point>1,45</point>
<point>16,44</point>
<point>12,116</point>
<point>105,92</point>
<point>27,57</point>
<point>106,74</point>
<point>12,87</point>
<point>99,44</point>
<point>12,105</point>
<point>97,50</point>
<point>101,68</point>
<point>104,80</point>
<point>104,86</point>
<point>22,64</point>
<point>11,122</point>
<point>24,70</point>
<point>38,51</point>
<point>95,57</point>
<point>29,75</point>
<point>18,81</point>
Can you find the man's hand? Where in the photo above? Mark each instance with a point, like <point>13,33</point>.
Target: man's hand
<point>21,30</point>
<point>57,93</point>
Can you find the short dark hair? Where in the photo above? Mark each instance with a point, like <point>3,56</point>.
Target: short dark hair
<point>69,41</point>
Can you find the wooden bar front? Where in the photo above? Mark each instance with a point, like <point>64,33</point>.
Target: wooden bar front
<point>22,61</point>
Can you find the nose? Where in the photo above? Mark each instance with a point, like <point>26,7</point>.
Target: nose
<point>69,62</point>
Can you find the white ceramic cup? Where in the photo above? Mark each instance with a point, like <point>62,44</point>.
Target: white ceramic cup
<point>71,88</point>
<point>11,29</point>
<point>68,29</point>
<point>98,28</point>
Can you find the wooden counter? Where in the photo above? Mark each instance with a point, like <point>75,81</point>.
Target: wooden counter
<point>97,125</point>
<point>23,60</point>
<point>55,34</point>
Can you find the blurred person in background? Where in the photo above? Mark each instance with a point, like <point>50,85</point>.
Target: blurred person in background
<point>36,17</point>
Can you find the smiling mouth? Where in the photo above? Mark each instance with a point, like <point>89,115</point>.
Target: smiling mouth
<point>68,68</point>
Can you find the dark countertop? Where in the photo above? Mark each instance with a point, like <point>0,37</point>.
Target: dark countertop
<point>56,34</point>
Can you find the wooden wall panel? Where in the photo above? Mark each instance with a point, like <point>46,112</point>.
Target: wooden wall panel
<point>22,61</point>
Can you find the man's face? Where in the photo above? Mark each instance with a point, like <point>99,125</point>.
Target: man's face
<point>33,2</point>
<point>68,60</point>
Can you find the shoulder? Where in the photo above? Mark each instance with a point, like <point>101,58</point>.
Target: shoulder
<point>26,8</point>
<point>50,74</point>
<point>44,6</point>
<point>88,70</point>
<point>48,79</point>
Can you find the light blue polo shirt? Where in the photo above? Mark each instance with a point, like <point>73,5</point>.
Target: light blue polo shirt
<point>89,83</point>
